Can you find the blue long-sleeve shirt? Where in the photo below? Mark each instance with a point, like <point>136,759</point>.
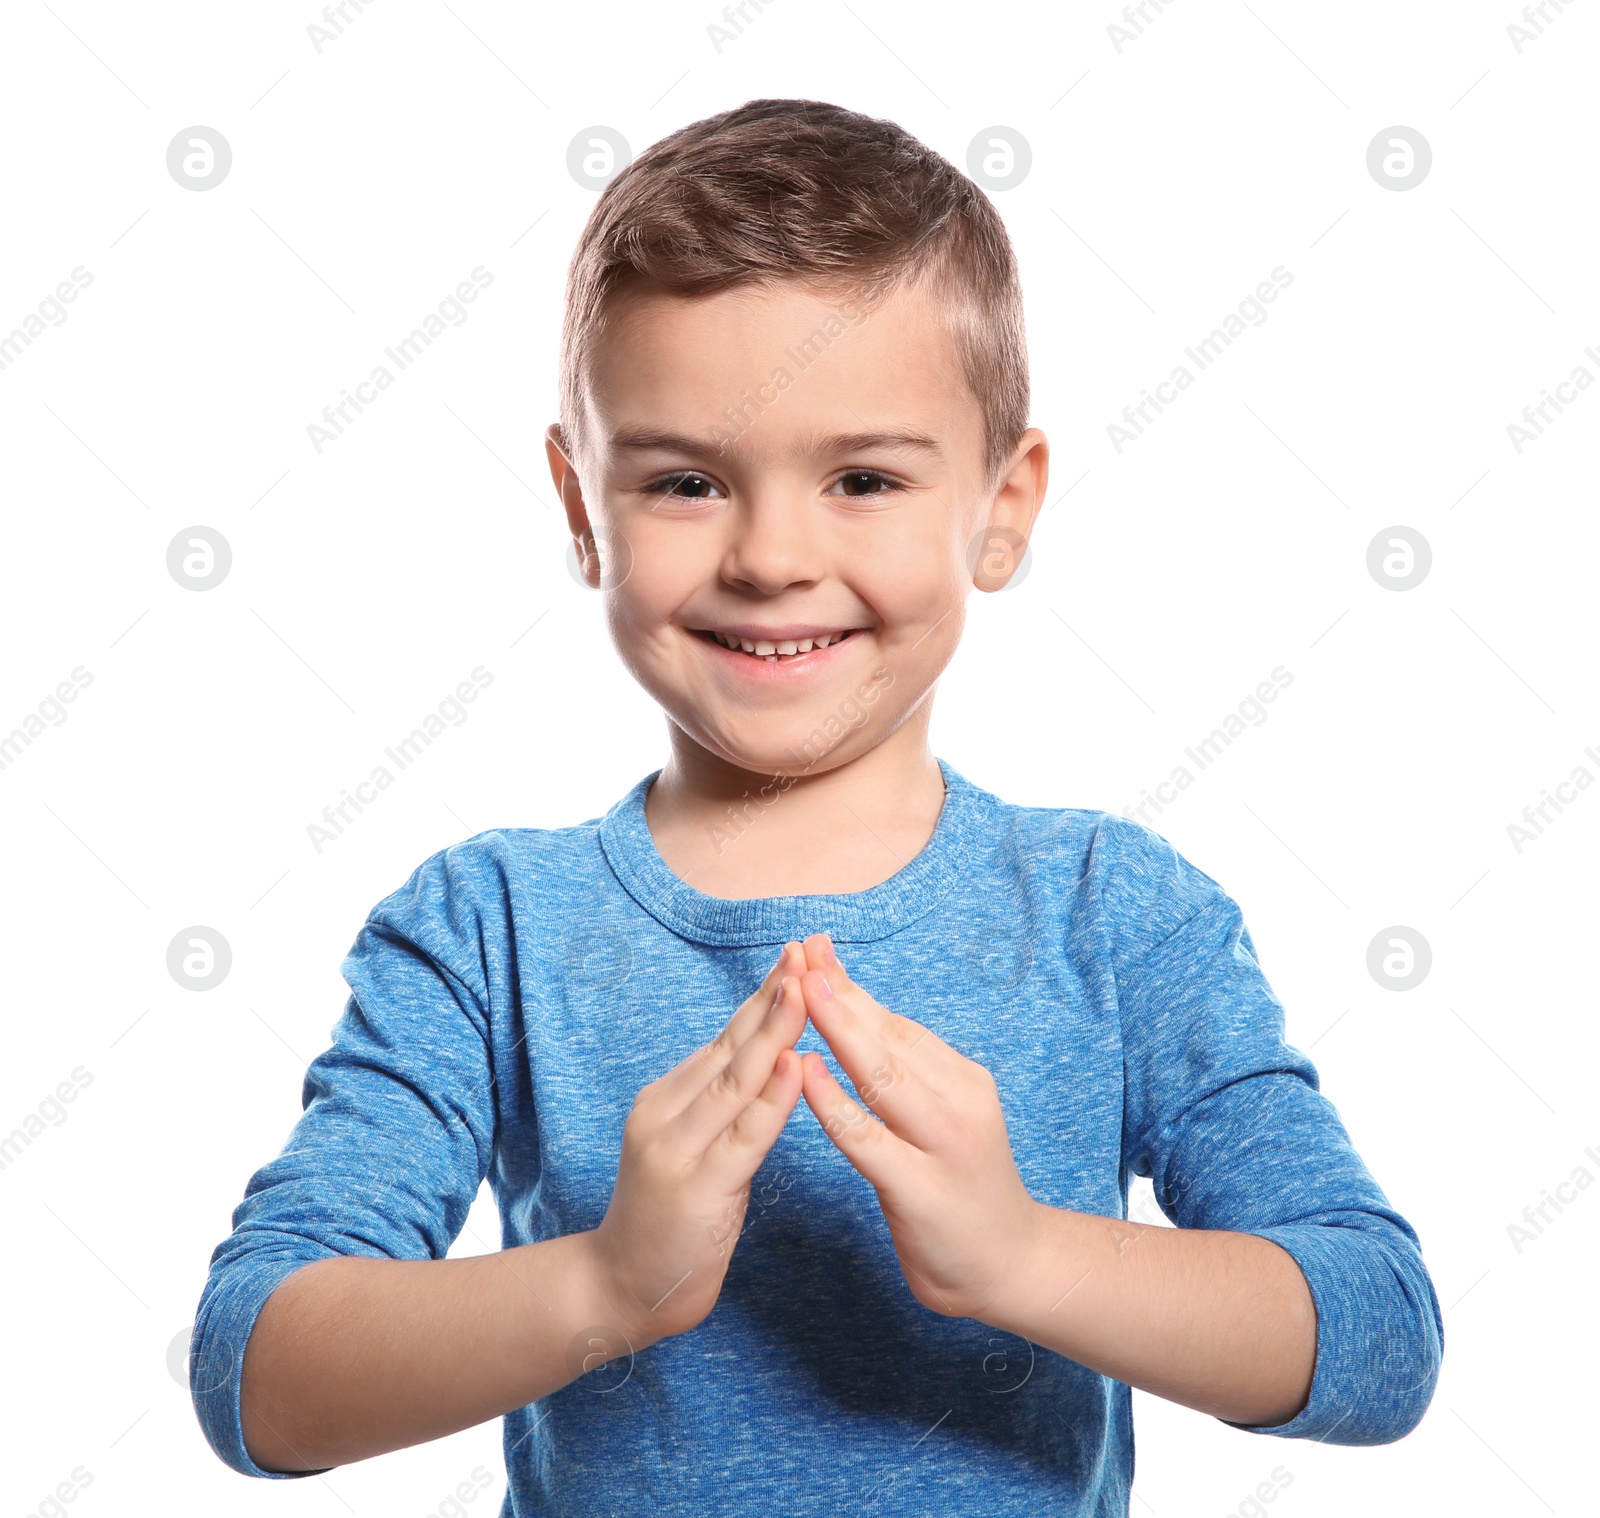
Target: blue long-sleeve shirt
<point>512,997</point>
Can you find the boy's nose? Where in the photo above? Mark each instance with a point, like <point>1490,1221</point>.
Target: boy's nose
<point>773,545</point>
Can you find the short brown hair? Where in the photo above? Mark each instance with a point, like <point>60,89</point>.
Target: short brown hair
<point>802,190</point>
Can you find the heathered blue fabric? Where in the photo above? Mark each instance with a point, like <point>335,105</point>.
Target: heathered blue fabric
<point>511,998</point>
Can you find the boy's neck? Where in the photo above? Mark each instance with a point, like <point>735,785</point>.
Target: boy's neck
<point>829,833</point>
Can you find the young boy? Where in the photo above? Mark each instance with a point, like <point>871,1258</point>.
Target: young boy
<point>793,437</point>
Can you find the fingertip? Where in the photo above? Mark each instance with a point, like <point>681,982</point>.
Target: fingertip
<point>818,991</point>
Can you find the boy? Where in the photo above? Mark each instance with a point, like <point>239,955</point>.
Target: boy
<point>794,436</point>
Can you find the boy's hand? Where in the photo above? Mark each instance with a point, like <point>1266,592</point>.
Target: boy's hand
<point>692,1142</point>
<point>940,1160</point>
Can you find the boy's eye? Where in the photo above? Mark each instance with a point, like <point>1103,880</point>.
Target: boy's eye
<point>694,487</point>
<point>691,486</point>
<point>866,482</point>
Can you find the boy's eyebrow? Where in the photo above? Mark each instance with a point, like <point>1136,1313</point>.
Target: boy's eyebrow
<point>646,439</point>
<point>861,442</point>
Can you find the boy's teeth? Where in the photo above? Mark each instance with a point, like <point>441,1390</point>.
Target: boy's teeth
<point>787,647</point>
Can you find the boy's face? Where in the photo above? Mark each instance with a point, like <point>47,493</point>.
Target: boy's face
<point>780,465</point>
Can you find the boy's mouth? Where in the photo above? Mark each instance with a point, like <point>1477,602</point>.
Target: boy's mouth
<point>776,650</point>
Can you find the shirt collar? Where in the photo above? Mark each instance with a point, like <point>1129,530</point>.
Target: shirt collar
<point>852,917</point>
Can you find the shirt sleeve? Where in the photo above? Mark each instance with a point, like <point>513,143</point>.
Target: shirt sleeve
<point>396,1134</point>
<point>1229,1123</point>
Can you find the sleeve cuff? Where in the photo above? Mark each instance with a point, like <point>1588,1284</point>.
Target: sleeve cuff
<point>228,1312</point>
<point>1378,1339</point>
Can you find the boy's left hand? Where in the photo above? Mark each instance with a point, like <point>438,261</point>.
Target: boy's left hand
<point>940,1160</point>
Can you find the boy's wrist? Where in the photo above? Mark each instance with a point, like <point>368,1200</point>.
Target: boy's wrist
<point>1036,1253</point>
<point>612,1315</point>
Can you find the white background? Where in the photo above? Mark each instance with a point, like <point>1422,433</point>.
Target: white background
<point>1168,179</point>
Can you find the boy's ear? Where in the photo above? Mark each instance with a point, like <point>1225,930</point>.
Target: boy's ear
<point>1015,509</point>
<point>564,474</point>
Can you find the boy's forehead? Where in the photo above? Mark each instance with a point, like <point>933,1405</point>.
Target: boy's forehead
<point>827,361</point>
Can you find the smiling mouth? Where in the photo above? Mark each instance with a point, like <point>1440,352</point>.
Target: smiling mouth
<point>777,651</point>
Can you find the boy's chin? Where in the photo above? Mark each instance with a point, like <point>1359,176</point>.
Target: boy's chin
<point>784,757</point>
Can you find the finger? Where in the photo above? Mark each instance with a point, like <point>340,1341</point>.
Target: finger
<point>737,1152</point>
<point>687,1079</point>
<point>822,955</point>
<point>875,1150</point>
<point>898,1067</point>
<point>741,1081</point>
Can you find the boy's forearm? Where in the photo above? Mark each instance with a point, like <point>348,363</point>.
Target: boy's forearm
<point>352,1357</point>
<point>1220,1321</point>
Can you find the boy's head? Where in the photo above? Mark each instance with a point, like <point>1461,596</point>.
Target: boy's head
<point>794,398</point>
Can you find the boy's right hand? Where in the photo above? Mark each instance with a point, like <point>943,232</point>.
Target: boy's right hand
<point>691,1144</point>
